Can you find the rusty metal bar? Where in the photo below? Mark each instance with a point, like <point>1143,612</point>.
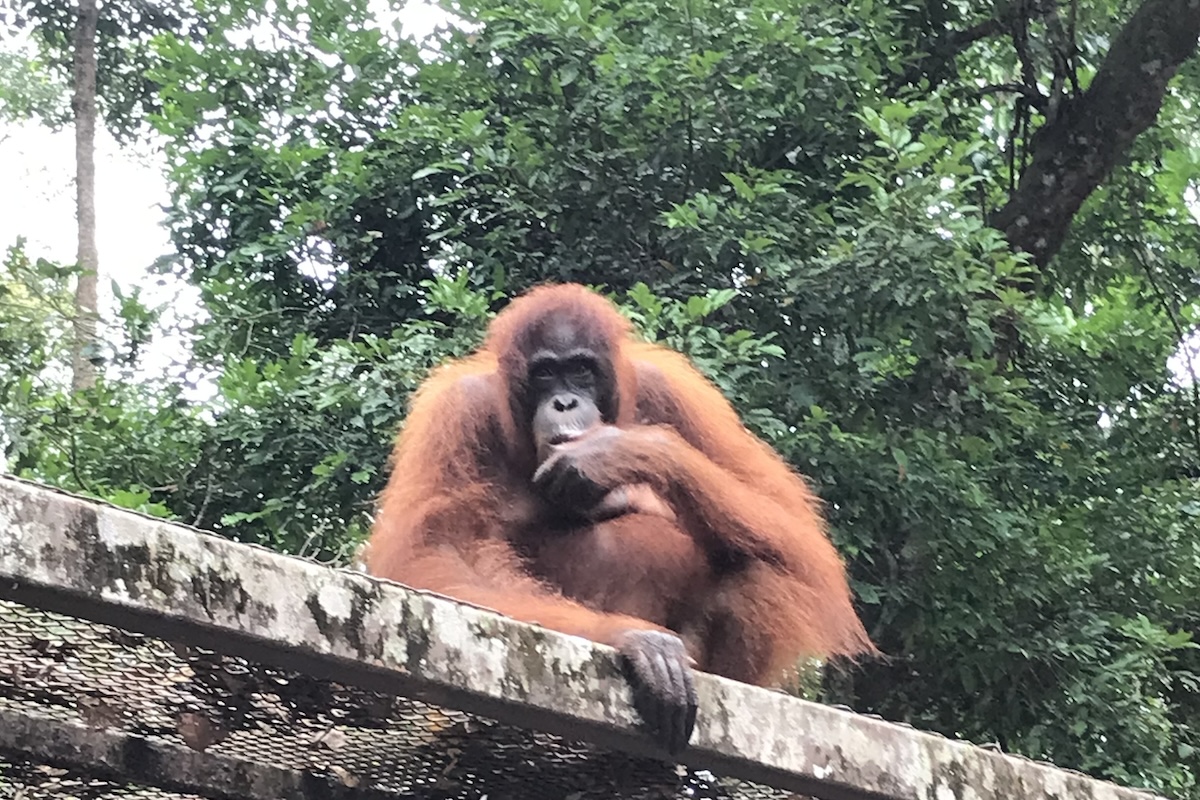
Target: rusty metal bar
<point>63,553</point>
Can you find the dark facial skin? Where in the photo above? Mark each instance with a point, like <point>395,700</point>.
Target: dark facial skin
<point>568,392</point>
<point>565,387</point>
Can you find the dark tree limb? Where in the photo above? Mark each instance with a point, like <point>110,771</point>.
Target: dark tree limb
<point>957,41</point>
<point>1030,93</point>
<point>947,45</point>
<point>1075,151</point>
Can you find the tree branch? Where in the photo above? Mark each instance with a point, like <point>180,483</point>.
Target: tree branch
<point>956,41</point>
<point>1144,258</point>
<point>949,44</point>
<point>1073,153</point>
<point>1030,93</point>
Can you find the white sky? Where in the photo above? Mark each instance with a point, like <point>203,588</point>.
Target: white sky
<point>130,192</point>
<point>130,189</point>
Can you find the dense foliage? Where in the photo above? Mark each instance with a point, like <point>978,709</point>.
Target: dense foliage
<point>797,194</point>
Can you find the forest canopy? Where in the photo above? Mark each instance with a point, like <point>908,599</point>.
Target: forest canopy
<point>944,256</point>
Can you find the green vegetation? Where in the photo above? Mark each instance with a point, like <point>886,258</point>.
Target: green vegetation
<point>819,202</point>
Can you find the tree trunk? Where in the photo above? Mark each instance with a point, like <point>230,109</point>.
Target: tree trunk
<point>83,106</point>
<point>1077,150</point>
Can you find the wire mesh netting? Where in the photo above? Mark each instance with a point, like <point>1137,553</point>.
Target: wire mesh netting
<point>26,781</point>
<point>73,671</point>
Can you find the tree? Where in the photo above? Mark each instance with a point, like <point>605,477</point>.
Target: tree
<point>1086,132</point>
<point>83,107</point>
<point>811,201</point>
<point>29,90</point>
<point>104,50</point>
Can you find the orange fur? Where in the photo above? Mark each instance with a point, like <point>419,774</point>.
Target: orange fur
<point>724,544</point>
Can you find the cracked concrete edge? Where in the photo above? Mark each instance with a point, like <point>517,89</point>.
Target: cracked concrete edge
<point>77,556</point>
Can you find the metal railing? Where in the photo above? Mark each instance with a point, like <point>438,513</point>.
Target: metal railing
<point>261,615</point>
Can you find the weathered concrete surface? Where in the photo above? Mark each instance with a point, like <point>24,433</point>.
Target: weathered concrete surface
<point>66,554</point>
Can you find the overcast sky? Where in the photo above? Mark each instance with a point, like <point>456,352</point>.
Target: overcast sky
<point>40,165</point>
<point>37,168</point>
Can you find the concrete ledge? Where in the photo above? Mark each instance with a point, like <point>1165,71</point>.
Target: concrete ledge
<point>66,554</point>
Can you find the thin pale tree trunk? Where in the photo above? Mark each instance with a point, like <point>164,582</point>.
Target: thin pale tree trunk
<point>83,105</point>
